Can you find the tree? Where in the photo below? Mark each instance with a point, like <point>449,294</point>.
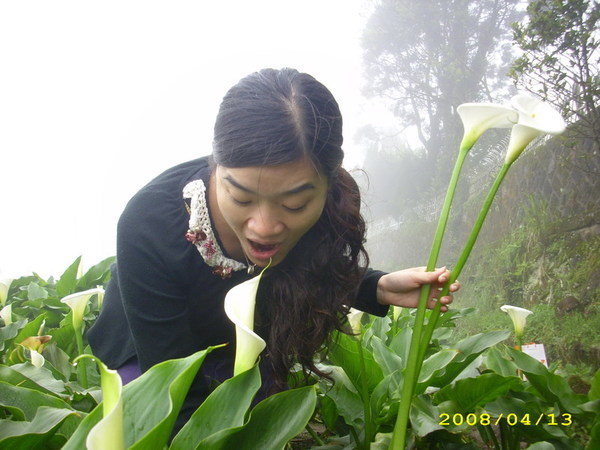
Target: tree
<point>559,39</point>
<point>429,57</point>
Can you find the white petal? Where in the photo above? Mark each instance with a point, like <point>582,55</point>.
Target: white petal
<point>108,432</point>
<point>36,358</point>
<point>479,117</point>
<point>240,303</point>
<point>6,314</point>
<point>537,114</point>
<point>78,301</point>
<point>5,282</point>
<point>518,317</point>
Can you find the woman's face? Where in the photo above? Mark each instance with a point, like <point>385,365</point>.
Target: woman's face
<point>269,208</point>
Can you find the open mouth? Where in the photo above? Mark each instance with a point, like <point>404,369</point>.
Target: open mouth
<point>263,251</point>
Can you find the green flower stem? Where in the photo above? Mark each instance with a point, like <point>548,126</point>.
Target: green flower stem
<point>413,367</point>
<point>81,370</point>
<point>366,398</point>
<point>314,435</point>
<point>462,259</point>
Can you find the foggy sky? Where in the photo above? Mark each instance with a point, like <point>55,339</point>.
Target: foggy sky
<point>97,99</point>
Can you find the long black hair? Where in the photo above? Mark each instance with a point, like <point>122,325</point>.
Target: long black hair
<point>273,117</point>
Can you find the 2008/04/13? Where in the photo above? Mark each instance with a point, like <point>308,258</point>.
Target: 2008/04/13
<point>511,419</point>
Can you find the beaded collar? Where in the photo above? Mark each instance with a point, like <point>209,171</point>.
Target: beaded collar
<point>200,232</point>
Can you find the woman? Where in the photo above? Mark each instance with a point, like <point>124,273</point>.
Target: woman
<point>273,190</point>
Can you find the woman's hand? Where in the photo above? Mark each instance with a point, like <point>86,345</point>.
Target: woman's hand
<point>403,288</point>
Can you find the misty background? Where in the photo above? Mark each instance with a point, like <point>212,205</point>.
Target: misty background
<point>97,99</point>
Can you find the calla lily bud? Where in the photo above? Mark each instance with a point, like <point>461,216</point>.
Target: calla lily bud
<point>477,118</point>
<point>36,342</point>
<point>77,302</point>
<point>5,283</point>
<point>518,317</point>
<point>108,432</point>
<point>535,118</point>
<point>354,318</point>
<point>37,359</point>
<point>240,302</point>
<point>6,314</point>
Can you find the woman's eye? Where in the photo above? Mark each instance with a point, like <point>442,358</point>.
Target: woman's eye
<point>241,202</point>
<point>297,209</point>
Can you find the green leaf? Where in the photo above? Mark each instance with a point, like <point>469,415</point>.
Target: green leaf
<point>470,393</point>
<point>344,353</point>
<point>9,332</point>
<point>468,349</point>
<point>151,404</point>
<point>424,416</point>
<point>495,360</point>
<point>27,400</point>
<point>34,291</point>
<point>16,378</point>
<point>41,376</point>
<point>67,281</point>
<point>385,357</point>
<point>212,416</point>
<point>96,275</point>
<point>436,363</point>
<point>553,388</point>
<point>348,403</point>
<point>272,423</point>
<point>401,343</point>
<point>34,434</point>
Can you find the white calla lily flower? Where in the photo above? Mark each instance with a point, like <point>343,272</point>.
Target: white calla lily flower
<point>354,318</point>
<point>109,431</point>
<point>6,314</point>
<point>477,118</point>
<point>77,302</point>
<point>535,118</point>
<point>5,282</point>
<point>518,317</point>
<point>37,359</point>
<point>240,303</point>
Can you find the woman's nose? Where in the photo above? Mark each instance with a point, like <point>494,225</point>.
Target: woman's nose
<point>265,224</point>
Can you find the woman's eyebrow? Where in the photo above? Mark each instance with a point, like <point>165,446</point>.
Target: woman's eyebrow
<point>296,190</point>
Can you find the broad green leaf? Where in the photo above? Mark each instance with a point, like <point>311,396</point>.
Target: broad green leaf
<point>224,408</point>
<point>401,343</point>
<point>34,434</point>
<point>553,388</point>
<point>468,350</point>
<point>41,376</point>
<point>541,446</point>
<point>470,393</point>
<point>272,423</point>
<point>16,378</point>
<point>66,283</point>
<point>348,403</point>
<point>385,357</point>
<point>424,416</point>
<point>495,360</point>
<point>9,332</point>
<point>436,364</point>
<point>27,400</point>
<point>96,275</point>
<point>35,291</point>
<point>386,391</point>
<point>344,353</point>
<point>151,404</point>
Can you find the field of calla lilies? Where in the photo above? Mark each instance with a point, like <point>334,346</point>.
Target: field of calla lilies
<point>401,381</point>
